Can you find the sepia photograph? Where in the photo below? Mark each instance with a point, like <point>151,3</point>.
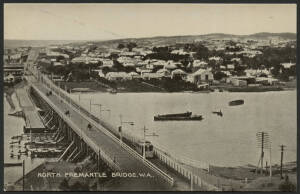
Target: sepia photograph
<point>150,97</point>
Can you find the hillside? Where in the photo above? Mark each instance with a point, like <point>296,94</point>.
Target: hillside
<point>158,40</point>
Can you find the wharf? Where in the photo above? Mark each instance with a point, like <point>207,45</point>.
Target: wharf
<point>31,115</point>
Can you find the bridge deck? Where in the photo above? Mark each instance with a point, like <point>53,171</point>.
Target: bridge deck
<point>32,118</point>
<point>123,158</point>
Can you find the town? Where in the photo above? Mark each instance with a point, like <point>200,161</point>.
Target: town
<point>259,62</point>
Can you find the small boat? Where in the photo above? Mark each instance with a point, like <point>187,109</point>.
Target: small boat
<point>236,102</point>
<point>219,113</point>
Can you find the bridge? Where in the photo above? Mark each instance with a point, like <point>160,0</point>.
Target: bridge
<point>101,140</point>
<point>117,155</point>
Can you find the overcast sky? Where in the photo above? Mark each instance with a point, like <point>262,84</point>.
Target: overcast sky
<point>111,21</point>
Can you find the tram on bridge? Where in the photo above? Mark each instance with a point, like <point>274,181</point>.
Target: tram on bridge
<point>149,153</point>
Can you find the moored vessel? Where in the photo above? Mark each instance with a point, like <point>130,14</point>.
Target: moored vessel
<point>178,117</point>
<point>236,102</point>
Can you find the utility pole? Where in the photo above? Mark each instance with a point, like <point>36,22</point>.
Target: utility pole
<point>23,180</point>
<point>144,143</point>
<point>262,151</point>
<point>270,163</point>
<point>281,159</point>
<point>263,142</point>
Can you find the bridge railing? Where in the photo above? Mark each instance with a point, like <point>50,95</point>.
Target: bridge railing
<point>102,126</point>
<point>185,172</point>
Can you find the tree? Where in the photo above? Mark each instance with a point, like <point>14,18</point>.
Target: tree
<point>131,45</point>
<point>105,70</point>
<point>121,46</point>
<point>118,66</point>
<point>219,75</point>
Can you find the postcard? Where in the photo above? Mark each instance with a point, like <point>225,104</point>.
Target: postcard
<point>150,97</point>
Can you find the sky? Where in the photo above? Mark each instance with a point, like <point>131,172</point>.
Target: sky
<point>115,21</point>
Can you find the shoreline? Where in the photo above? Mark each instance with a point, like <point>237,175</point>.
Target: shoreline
<point>94,87</point>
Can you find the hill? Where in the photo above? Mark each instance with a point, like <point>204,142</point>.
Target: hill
<point>152,41</point>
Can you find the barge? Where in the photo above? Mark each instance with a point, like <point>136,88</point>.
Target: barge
<point>178,117</point>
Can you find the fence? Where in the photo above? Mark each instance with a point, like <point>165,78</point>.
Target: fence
<point>194,179</point>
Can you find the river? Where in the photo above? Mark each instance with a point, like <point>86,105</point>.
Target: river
<point>14,126</point>
<point>224,141</point>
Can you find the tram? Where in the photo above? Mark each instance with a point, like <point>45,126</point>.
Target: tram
<point>149,153</point>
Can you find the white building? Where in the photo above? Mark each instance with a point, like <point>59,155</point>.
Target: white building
<point>113,76</point>
<point>287,65</point>
<point>151,76</point>
<point>200,76</point>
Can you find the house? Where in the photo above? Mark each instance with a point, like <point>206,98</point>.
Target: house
<point>143,70</point>
<point>287,65</point>
<point>178,73</point>
<point>134,75</point>
<point>266,80</point>
<point>164,72</point>
<point>124,59</point>
<point>237,60</point>
<point>158,63</point>
<point>227,73</point>
<point>151,76</point>
<point>201,76</point>
<point>230,67</point>
<point>238,82</point>
<point>100,73</point>
<point>58,64</point>
<point>257,72</point>
<point>128,64</point>
<point>197,64</point>
<point>107,62</point>
<point>179,52</point>
<point>16,56</point>
<point>222,67</point>
<point>171,65</point>
<point>216,59</point>
<point>114,76</point>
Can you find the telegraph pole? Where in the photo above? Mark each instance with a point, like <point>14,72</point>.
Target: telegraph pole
<point>262,152</point>
<point>281,159</point>
<point>263,143</point>
<point>144,143</point>
<point>23,180</point>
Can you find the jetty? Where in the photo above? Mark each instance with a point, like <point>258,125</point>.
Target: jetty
<point>29,111</point>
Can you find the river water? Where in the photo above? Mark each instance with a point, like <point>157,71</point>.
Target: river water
<point>225,141</point>
<point>14,126</point>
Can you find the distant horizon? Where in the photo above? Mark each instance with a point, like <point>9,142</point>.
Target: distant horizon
<point>152,36</point>
<point>111,21</point>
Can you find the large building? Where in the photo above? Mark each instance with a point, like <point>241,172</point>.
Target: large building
<point>16,70</point>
